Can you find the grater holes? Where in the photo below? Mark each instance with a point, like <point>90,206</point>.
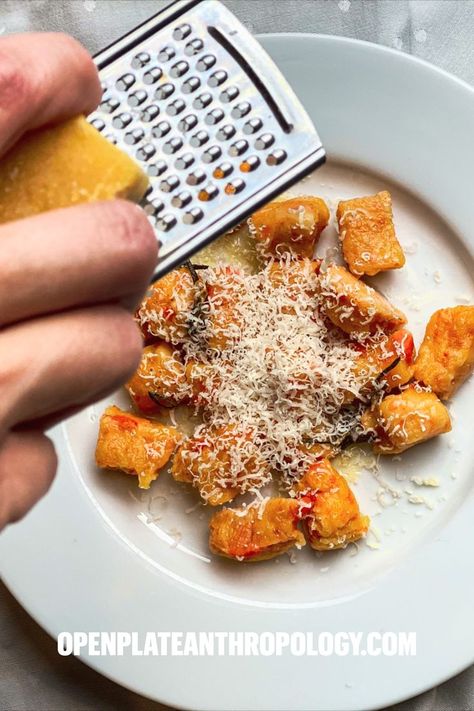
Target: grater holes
<point>161,129</point>
<point>201,101</point>
<point>225,132</point>
<point>169,184</point>
<point>217,78</point>
<point>181,32</point>
<point>206,62</point>
<point>175,107</point>
<point>179,69</point>
<point>166,53</point>
<point>212,154</point>
<point>135,136</point>
<point>165,223</point>
<point>193,216</point>
<point>172,146</point>
<point>146,152</point>
<point>241,109</point>
<point>182,199</point>
<point>208,193</point>
<point>98,124</point>
<point>187,123</point>
<point>208,173</point>
<point>214,117</point>
<point>238,147</point>
<point>157,169</point>
<point>140,60</point>
<point>164,91</point>
<point>137,98</point>
<point>149,113</point>
<point>152,75</point>
<point>184,161</point>
<point>111,138</point>
<point>229,94</point>
<point>250,164</point>
<point>196,177</point>
<point>109,105</point>
<point>234,186</point>
<point>193,47</point>
<point>264,141</point>
<point>199,138</point>
<point>122,120</point>
<point>154,207</point>
<point>190,85</point>
<point>222,171</point>
<point>125,82</point>
<point>252,126</point>
<point>276,157</point>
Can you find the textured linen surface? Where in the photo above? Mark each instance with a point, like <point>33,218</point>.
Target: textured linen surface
<point>32,675</point>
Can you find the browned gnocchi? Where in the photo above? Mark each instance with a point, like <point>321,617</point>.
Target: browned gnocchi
<point>329,509</point>
<point>408,418</point>
<point>134,445</point>
<point>290,225</point>
<point>221,464</point>
<point>252,534</point>
<point>354,306</point>
<point>367,233</point>
<point>164,313</point>
<point>160,380</point>
<point>390,361</point>
<point>446,356</point>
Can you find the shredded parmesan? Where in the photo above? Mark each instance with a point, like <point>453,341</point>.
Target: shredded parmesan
<point>271,367</point>
<point>271,378</point>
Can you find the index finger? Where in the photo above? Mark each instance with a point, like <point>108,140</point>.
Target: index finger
<point>44,78</point>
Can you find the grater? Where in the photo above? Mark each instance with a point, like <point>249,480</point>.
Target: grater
<point>194,98</point>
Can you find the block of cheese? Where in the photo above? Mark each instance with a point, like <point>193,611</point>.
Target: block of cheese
<point>64,165</point>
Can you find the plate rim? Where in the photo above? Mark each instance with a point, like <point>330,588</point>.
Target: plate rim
<point>343,39</point>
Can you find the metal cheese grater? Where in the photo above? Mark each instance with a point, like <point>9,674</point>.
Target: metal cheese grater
<point>194,98</point>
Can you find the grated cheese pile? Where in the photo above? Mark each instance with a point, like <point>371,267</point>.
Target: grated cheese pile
<point>269,365</point>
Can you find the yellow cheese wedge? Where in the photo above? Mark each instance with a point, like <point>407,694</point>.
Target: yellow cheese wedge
<point>65,165</point>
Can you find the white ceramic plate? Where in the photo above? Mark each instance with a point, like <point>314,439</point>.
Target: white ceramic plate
<point>89,557</point>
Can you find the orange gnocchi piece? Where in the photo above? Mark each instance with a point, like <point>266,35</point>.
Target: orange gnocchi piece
<point>392,360</point>
<point>446,356</point>
<point>367,232</point>
<point>134,445</point>
<point>159,381</point>
<point>355,307</point>
<point>251,535</point>
<point>403,420</point>
<point>331,514</point>
<point>290,225</point>
<point>164,312</point>
<point>221,464</point>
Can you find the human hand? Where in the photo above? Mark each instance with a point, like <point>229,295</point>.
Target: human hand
<point>69,279</point>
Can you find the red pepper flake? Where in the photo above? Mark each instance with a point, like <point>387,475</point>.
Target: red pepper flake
<point>125,422</point>
<point>168,314</point>
<point>402,341</point>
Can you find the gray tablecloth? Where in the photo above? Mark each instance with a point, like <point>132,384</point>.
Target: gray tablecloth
<point>32,676</point>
